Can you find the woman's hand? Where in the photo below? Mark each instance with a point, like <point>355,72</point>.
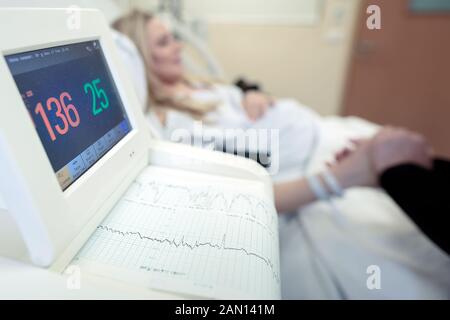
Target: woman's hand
<point>392,147</point>
<point>369,158</point>
<point>256,104</point>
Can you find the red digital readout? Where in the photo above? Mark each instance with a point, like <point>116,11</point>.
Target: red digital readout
<point>65,111</point>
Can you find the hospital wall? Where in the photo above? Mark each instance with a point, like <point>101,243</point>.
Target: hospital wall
<point>289,57</point>
<point>309,63</point>
<point>303,54</point>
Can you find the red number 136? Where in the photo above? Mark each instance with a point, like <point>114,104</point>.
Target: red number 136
<point>66,113</point>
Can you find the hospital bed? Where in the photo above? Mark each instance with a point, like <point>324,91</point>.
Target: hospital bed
<point>207,65</point>
<point>328,249</point>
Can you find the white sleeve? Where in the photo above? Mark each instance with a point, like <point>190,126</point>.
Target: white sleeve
<point>229,113</point>
<point>230,94</point>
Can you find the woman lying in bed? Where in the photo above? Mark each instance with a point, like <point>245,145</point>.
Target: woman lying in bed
<point>332,257</point>
<point>177,102</point>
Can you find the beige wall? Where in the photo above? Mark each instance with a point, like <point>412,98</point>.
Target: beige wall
<point>306,63</point>
<point>289,57</point>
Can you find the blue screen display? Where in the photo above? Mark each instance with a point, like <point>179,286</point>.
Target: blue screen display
<point>74,104</point>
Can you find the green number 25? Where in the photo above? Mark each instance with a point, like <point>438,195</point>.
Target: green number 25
<point>97,94</point>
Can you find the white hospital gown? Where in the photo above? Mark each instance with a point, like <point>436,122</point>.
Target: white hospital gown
<point>288,130</point>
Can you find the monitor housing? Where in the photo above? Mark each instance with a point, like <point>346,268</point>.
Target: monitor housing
<point>55,218</point>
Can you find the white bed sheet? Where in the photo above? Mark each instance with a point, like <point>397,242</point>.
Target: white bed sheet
<point>326,248</point>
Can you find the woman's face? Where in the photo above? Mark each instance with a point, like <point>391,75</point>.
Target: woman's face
<point>165,52</point>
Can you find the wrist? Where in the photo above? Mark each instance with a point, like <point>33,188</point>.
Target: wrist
<point>325,185</point>
<point>332,183</point>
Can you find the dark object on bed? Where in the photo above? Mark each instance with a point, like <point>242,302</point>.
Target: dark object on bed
<point>424,195</point>
<point>246,85</point>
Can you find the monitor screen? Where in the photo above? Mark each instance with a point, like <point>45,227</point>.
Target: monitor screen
<point>71,97</point>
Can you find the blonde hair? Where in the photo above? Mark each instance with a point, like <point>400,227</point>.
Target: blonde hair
<point>134,26</point>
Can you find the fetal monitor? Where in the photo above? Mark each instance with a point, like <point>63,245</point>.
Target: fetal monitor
<point>84,182</point>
